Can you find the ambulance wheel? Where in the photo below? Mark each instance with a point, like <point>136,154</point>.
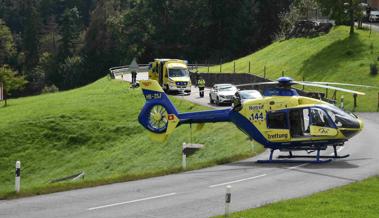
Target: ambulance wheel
<point>167,89</point>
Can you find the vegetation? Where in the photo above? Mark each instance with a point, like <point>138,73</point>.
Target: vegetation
<point>10,82</point>
<point>359,199</point>
<point>334,57</point>
<point>71,43</point>
<point>94,129</point>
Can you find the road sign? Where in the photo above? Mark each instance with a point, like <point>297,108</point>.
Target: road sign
<point>133,66</point>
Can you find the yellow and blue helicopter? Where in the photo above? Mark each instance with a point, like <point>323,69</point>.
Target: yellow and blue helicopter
<point>282,120</point>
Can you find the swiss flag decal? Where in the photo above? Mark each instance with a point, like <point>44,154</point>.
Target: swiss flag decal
<point>171,117</point>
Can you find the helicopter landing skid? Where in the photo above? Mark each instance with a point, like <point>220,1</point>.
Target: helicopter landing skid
<point>335,156</point>
<point>317,158</point>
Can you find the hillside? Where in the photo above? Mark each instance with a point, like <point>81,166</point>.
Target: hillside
<point>94,129</point>
<point>333,57</point>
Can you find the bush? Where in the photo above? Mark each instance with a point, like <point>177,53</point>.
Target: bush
<point>50,89</point>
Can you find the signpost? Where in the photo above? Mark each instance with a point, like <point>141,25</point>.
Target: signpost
<point>1,91</point>
<point>133,66</point>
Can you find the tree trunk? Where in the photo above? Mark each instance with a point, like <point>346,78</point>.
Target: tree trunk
<point>351,17</point>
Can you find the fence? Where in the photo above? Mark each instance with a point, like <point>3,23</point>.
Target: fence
<point>234,78</point>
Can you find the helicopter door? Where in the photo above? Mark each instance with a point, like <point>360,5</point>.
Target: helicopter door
<point>320,124</point>
<point>299,122</point>
<point>277,127</point>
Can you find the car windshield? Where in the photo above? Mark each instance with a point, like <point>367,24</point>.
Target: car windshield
<point>178,72</point>
<point>226,88</point>
<point>250,94</point>
<point>341,118</point>
<point>374,13</point>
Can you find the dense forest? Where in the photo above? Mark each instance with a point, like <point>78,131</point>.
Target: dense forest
<point>61,44</point>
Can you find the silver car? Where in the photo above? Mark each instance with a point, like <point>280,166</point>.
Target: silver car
<point>222,93</point>
<point>249,94</point>
<point>374,16</point>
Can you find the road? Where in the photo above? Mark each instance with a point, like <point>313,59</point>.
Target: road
<point>374,26</point>
<point>201,193</point>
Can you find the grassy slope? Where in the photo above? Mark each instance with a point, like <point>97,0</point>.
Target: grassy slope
<point>95,129</point>
<point>355,200</point>
<point>332,57</point>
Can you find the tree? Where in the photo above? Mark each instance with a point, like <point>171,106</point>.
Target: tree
<point>69,30</point>
<point>298,10</point>
<point>70,71</point>
<point>7,50</point>
<point>343,10</point>
<point>100,48</point>
<point>11,81</point>
<point>30,35</point>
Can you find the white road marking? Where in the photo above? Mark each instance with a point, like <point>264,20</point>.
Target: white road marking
<point>133,201</point>
<point>236,181</point>
<point>294,167</point>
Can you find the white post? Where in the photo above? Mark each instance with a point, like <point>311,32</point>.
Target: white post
<point>18,176</point>
<point>342,106</point>
<point>228,199</point>
<point>184,157</point>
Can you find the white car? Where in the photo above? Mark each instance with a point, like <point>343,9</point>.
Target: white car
<point>249,94</point>
<point>374,16</point>
<point>222,93</point>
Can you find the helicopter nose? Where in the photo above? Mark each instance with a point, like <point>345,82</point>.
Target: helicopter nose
<point>361,124</point>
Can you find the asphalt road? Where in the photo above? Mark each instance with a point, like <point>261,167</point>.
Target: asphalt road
<point>201,193</point>
<point>374,26</point>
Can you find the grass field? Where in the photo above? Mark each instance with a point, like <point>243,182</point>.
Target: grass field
<point>355,200</point>
<point>334,57</point>
<point>94,129</point>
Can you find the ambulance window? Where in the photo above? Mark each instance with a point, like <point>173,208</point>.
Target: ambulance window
<point>277,120</point>
<point>319,118</point>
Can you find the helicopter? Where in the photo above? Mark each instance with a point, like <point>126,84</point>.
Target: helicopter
<point>280,121</point>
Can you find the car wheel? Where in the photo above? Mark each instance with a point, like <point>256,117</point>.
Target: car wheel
<point>210,99</point>
<point>217,101</point>
<point>167,89</point>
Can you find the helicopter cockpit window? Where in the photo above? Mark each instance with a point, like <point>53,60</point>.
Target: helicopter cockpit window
<point>341,118</point>
<point>277,120</point>
<point>319,118</point>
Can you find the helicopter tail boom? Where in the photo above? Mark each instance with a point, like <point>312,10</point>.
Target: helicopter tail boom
<point>160,116</point>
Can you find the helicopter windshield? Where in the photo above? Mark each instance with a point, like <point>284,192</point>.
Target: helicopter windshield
<point>341,118</point>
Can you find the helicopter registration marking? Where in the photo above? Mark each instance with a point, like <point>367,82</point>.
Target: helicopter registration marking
<point>256,116</point>
<point>154,96</point>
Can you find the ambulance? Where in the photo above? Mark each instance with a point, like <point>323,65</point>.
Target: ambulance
<point>171,74</point>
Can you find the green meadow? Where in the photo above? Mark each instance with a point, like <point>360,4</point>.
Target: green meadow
<point>334,57</point>
<point>94,129</point>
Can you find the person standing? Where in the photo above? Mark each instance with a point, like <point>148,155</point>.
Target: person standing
<point>201,85</point>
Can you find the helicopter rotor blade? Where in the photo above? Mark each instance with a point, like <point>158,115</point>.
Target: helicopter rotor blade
<point>257,84</point>
<point>331,87</point>
<point>342,84</point>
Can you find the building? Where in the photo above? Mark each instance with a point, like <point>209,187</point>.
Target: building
<point>373,3</point>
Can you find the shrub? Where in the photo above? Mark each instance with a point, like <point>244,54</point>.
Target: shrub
<point>50,89</point>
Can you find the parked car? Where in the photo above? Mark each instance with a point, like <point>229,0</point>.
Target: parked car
<point>374,16</point>
<point>222,93</point>
<point>249,94</point>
